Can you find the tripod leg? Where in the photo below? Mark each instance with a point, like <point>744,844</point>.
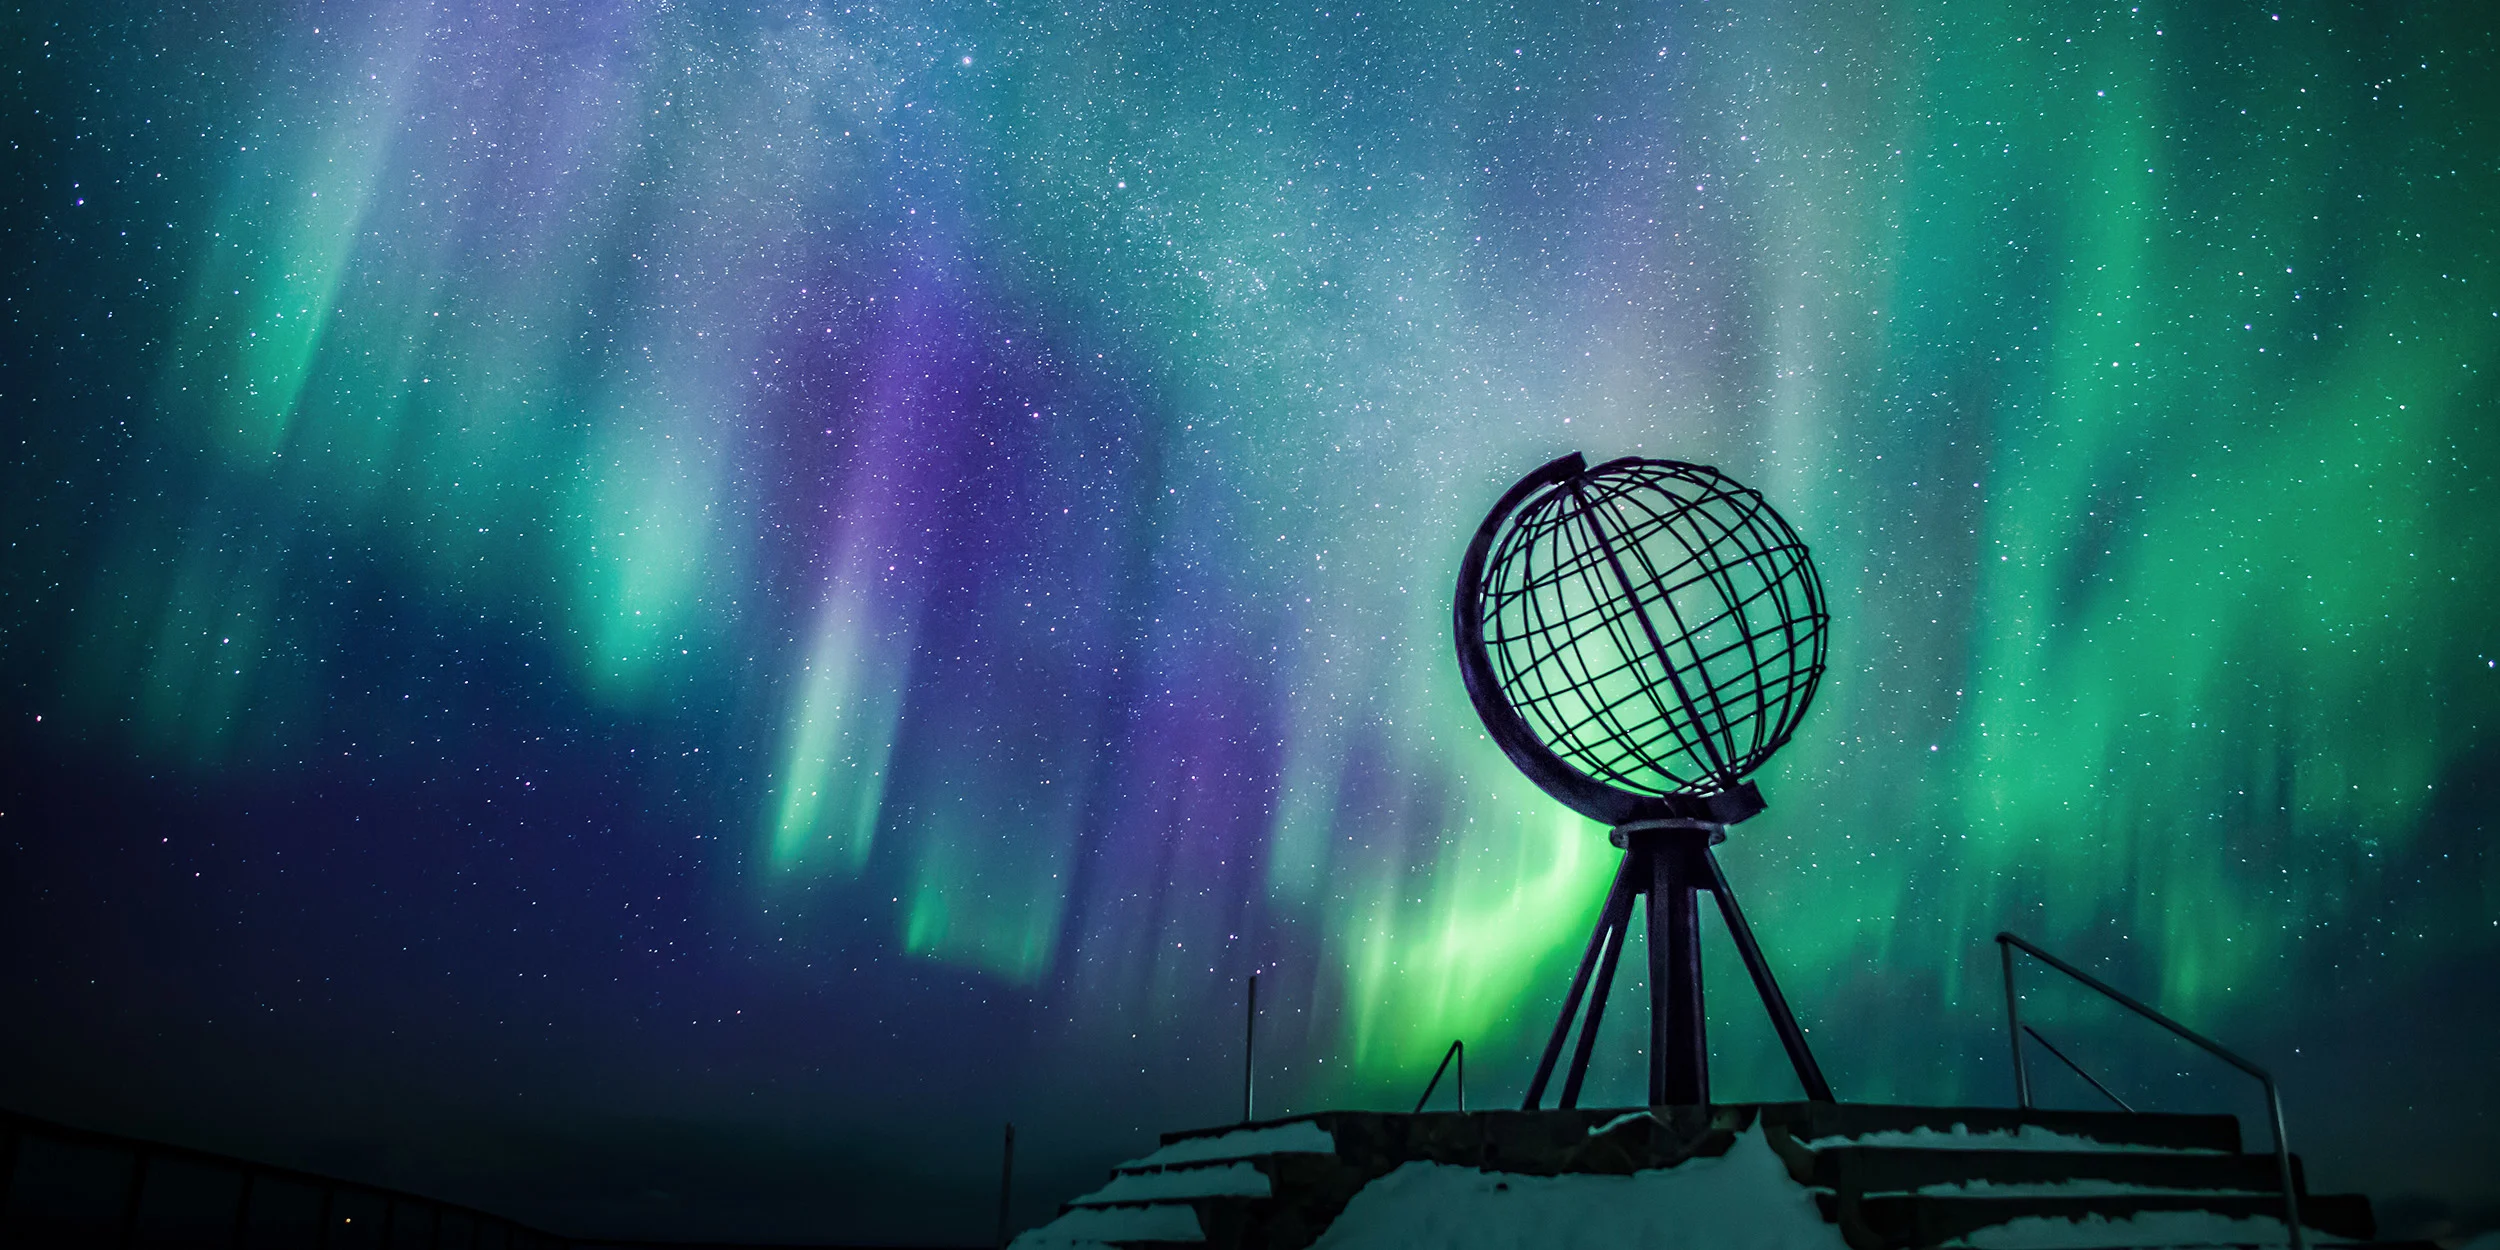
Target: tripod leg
<point>1679,1057</point>
<point>1579,986</point>
<point>1618,924</point>
<point>1809,1073</point>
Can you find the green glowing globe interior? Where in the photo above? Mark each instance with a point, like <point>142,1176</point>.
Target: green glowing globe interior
<point>1656,624</point>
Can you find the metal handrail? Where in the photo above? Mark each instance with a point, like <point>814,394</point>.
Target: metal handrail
<point>2007,942</point>
<point>1457,1050</point>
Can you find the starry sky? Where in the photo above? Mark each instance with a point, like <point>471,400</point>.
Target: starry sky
<point>655,616</point>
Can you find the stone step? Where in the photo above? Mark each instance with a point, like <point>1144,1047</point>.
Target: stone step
<point>1885,1169</point>
<point>1819,1123</point>
<point>2338,1244</point>
<point>1908,1221</point>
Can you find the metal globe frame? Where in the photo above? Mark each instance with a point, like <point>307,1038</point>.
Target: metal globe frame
<point>1666,816</point>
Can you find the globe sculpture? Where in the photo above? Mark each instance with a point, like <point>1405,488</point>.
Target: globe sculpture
<point>1639,638</point>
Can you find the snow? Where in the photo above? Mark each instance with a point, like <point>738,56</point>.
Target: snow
<point>2150,1228</point>
<point>2063,1189</point>
<point>2029,1137</point>
<point>1227,1180</point>
<point>1743,1200</point>
<point>1301,1137</point>
<point>1619,1121</point>
<point>1093,1226</point>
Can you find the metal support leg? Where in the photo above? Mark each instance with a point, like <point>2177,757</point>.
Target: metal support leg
<point>1792,1038</point>
<point>1680,1054</point>
<point>1579,986</point>
<point>1616,927</point>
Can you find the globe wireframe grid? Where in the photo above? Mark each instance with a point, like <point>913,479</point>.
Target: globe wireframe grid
<point>1675,655</point>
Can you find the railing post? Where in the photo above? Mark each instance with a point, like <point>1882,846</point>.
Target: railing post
<point>243,1209</point>
<point>2283,1166</point>
<point>1006,1182</point>
<point>129,1234</point>
<point>9,1146</point>
<point>2274,1100</point>
<point>2014,1027</point>
<point>1249,1051</point>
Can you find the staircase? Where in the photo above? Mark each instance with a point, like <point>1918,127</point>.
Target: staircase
<point>1903,1178</point>
<point>1887,1178</point>
<point>1264,1185</point>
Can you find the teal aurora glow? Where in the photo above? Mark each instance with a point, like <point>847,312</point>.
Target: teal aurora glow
<point>616,610</point>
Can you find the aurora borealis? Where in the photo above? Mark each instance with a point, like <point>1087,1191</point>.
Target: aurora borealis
<point>655,615</point>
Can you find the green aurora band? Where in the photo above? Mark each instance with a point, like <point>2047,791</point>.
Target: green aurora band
<point>1029,450</point>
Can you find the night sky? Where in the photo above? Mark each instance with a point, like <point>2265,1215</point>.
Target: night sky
<point>655,616</point>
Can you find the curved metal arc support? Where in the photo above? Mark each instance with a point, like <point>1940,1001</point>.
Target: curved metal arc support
<point>1597,801</point>
<point>1591,798</point>
<point>2008,942</point>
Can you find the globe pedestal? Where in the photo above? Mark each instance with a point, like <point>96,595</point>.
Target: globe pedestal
<point>1669,862</point>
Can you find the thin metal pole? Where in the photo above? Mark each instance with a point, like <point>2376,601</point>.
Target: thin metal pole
<point>1784,1021</point>
<point>1458,1051</point>
<point>321,1236</point>
<point>2014,1029</point>
<point>1006,1182</point>
<point>2077,1069</point>
<point>1250,1051</point>
<point>8,1175</point>
<point>243,1209</point>
<point>130,1202</point>
<point>2283,1165</point>
<point>1579,986</point>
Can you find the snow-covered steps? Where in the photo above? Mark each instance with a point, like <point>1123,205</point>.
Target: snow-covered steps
<point>2001,1128</point>
<point>1882,1169</point>
<point>1781,1176</point>
<point>1214,1187</point>
<point>1279,1185</point>
<point>1914,1178</point>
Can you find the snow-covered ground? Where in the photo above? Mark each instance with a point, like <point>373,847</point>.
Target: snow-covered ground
<point>1743,1200</point>
<point>2029,1137</point>
<point>2152,1228</point>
